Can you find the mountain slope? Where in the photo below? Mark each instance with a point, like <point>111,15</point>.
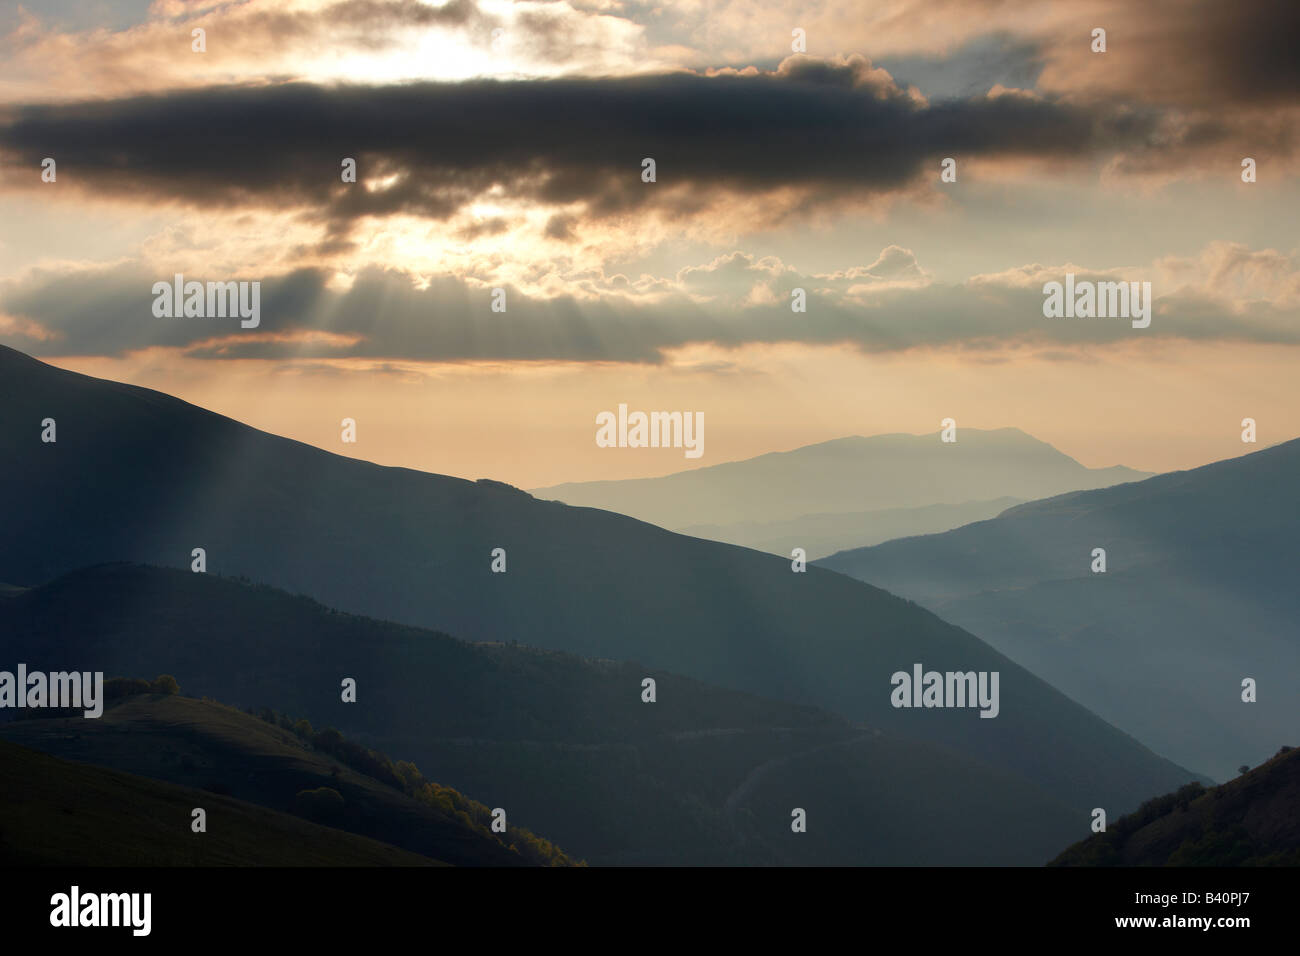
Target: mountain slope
<point>139,476</point>
<point>1251,821</point>
<point>1198,595</point>
<point>848,475</point>
<point>62,813</point>
<point>201,743</point>
<point>821,535</point>
<point>566,746</point>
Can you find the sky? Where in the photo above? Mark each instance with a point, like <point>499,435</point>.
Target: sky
<point>501,146</point>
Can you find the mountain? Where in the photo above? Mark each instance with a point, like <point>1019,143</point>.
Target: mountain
<point>1198,595</point>
<point>200,743</point>
<point>63,813</point>
<point>142,477</point>
<point>567,746</point>
<point>821,535</point>
<point>1251,821</point>
<point>848,476</point>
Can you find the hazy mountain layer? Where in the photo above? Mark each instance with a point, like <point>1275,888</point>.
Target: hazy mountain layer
<point>1198,595</point>
<point>568,747</point>
<point>848,475</point>
<point>821,535</point>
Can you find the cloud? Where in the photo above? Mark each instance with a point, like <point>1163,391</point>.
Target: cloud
<point>1192,53</point>
<point>1196,54</point>
<point>738,278</point>
<point>260,41</point>
<point>1227,293</point>
<point>829,128</point>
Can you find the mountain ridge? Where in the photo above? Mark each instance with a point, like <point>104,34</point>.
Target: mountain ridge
<point>852,474</point>
<point>143,478</point>
<point>1199,570</point>
<point>568,746</point>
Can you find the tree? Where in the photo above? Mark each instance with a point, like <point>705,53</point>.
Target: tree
<point>1243,768</point>
<point>165,684</point>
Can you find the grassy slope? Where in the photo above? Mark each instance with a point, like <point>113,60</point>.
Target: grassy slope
<point>204,744</point>
<point>62,813</point>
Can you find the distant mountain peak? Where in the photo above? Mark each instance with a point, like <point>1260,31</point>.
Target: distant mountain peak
<point>851,474</point>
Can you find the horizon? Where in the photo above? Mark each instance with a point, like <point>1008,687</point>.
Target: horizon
<point>668,456</point>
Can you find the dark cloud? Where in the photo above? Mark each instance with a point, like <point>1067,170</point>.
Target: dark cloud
<point>835,128</point>
<point>560,227</point>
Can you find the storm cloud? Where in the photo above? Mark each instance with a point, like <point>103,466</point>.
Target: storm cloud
<point>833,128</point>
